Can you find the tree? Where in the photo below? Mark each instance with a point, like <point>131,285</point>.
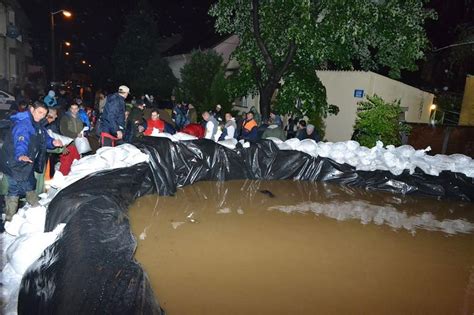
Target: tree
<point>197,77</point>
<point>219,91</point>
<point>379,120</point>
<point>136,58</point>
<point>283,42</point>
<point>156,79</point>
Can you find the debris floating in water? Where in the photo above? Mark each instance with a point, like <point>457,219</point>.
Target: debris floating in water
<point>267,192</point>
<point>175,225</point>
<point>224,211</point>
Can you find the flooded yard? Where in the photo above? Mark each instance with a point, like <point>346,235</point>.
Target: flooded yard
<point>286,247</point>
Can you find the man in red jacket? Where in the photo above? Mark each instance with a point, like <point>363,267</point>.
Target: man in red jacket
<point>154,123</point>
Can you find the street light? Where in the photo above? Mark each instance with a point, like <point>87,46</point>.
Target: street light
<point>53,57</point>
<point>68,44</point>
<point>66,53</point>
<point>83,62</point>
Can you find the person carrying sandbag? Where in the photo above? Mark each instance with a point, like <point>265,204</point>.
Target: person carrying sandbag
<point>70,126</point>
<point>23,153</point>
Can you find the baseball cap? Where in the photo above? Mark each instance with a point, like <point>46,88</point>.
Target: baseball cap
<point>123,89</point>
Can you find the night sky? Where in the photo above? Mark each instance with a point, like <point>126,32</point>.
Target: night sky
<point>97,24</point>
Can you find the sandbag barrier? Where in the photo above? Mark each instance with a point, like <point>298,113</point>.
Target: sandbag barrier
<point>91,269</point>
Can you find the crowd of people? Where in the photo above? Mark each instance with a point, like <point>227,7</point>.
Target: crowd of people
<point>108,120</point>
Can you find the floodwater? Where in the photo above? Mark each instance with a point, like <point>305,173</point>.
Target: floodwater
<point>285,247</point>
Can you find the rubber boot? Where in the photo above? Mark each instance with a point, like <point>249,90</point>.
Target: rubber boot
<point>32,198</point>
<point>11,206</point>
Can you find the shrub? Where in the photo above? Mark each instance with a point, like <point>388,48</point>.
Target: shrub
<point>379,120</point>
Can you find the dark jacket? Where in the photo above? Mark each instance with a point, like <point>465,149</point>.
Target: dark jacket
<point>274,131</point>
<point>249,130</point>
<point>136,115</point>
<point>53,126</point>
<point>29,138</point>
<point>304,135</point>
<point>113,117</point>
<point>71,126</point>
<point>192,115</point>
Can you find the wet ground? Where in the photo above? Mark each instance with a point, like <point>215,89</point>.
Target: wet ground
<point>284,247</point>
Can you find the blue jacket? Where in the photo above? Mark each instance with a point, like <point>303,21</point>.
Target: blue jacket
<point>29,138</point>
<point>113,117</point>
<point>84,118</point>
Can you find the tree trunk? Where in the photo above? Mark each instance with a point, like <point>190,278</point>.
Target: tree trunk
<point>266,100</point>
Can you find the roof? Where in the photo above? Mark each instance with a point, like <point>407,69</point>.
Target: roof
<point>203,41</point>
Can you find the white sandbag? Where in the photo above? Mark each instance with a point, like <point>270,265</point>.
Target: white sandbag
<point>28,248</point>
<point>293,143</point>
<point>82,145</point>
<point>229,143</point>
<point>406,151</point>
<point>352,145</point>
<point>275,140</point>
<point>284,146</point>
<point>184,136</point>
<point>460,159</point>
<point>164,135</point>
<point>324,148</point>
<point>65,140</point>
<point>13,227</point>
<point>155,132</point>
<point>308,146</point>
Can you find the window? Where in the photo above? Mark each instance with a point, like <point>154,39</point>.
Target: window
<point>403,114</point>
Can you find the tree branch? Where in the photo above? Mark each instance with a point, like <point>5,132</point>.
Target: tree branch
<point>256,33</point>
<point>258,74</point>
<point>289,57</point>
<point>453,45</point>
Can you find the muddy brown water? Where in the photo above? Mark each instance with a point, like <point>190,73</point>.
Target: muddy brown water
<point>285,247</point>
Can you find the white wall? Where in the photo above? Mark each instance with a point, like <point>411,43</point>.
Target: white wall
<point>417,101</point>
<point>177,62</point>
<point>340,88</point>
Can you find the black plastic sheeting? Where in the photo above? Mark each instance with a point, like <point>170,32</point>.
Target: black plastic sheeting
<point>91,269</point>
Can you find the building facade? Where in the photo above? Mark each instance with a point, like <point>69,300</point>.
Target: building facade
<point>15,50</point>
<point>347,88</point>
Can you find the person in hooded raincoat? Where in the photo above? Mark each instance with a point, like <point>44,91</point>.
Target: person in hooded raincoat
<point>23,154</point>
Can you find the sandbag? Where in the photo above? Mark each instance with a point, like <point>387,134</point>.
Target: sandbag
<point>82,145</point>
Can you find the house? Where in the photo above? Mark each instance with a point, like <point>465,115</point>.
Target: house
<point>15,51</point>
<point>223,48</point>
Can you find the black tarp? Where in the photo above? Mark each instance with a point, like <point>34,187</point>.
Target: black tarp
<point>91,269</point>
